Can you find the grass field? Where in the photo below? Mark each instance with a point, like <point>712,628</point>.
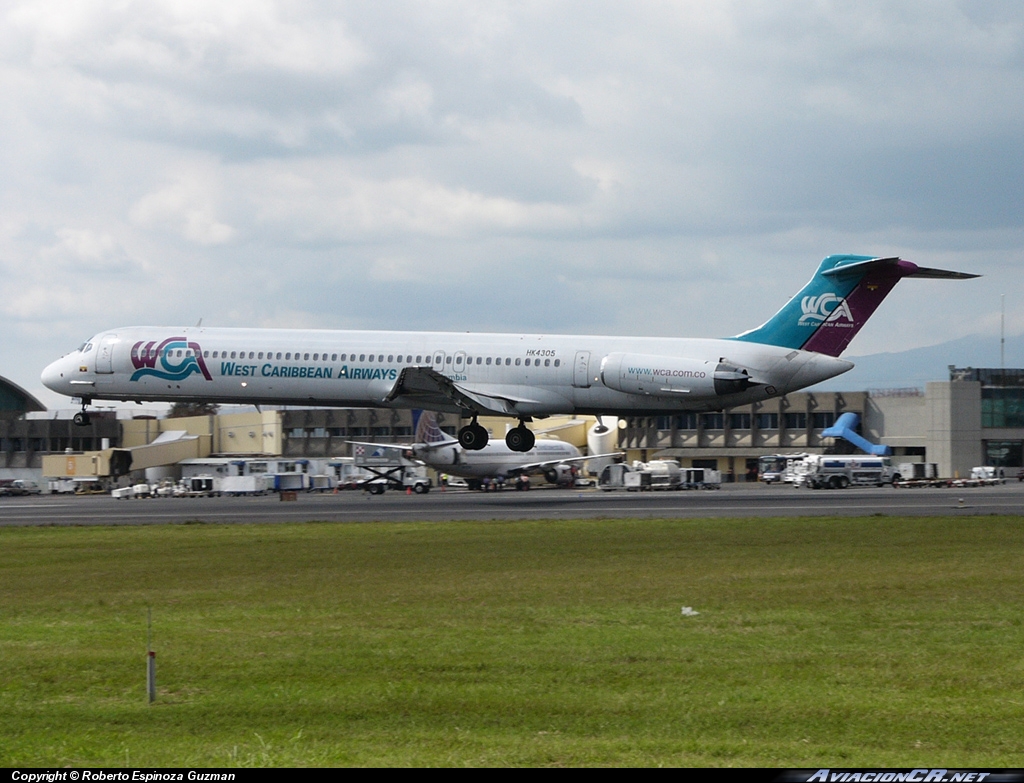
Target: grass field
<point>876,641</point>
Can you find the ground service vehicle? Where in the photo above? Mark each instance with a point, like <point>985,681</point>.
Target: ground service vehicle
<point>827,471</point>
<point>776,468</point>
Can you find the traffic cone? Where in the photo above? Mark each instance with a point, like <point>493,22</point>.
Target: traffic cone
<point>408,490</point>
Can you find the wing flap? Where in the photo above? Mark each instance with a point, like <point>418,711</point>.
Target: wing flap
<point>425,383</point>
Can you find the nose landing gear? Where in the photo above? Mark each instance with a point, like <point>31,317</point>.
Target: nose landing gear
<point>81,419</point>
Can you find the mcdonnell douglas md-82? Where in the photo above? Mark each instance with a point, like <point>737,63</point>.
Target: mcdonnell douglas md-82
<point>516,375</point>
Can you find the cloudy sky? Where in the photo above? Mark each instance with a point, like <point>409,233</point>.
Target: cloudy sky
<point>666,168</point>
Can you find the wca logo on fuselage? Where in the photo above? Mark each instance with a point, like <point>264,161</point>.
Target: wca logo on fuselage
<point>825,308</point>
<point>145,356</point>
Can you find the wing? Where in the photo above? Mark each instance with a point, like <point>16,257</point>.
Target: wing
<point>424,387</point>
<point>406,446</point>
<point>533,466</point>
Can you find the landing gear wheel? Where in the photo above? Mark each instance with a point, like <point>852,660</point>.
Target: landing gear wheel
<point>81,419</point>
<point>472,437</point>
<point>421,489</point>
<point>520,439</point>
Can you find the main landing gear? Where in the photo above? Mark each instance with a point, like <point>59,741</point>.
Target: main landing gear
<point>473,437</point>
<point>520,438</point>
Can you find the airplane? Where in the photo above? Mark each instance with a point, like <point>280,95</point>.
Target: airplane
<point>555,459</point>
<point>524,376</point>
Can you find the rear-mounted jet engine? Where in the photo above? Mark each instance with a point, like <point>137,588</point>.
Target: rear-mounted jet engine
<point>669,376</point>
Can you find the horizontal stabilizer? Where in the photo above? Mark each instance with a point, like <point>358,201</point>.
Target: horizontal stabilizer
<point>941,274</point>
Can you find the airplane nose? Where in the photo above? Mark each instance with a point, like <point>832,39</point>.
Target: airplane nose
<point>53,377</point>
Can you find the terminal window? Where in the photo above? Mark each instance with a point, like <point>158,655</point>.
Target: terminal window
<point>822,419</point>
<point>739,421</point>
<point>714,421</point>
<point>795,421</point>
<point>1004,453</point>
<point>686,421</point>
<point>1002,407</point>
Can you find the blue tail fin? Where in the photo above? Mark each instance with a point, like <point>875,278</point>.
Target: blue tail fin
<point>829,311</point>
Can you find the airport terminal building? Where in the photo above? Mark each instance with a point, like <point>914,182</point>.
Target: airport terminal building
<point>976,417</point>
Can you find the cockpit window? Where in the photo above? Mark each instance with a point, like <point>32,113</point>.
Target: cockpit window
<point>87,347</point>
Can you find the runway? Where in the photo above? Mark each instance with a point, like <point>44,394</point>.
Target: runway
<point>731,501</point>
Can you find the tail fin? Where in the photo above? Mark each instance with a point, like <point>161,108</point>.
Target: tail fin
<point>426,430</point>
<point>829,311</point>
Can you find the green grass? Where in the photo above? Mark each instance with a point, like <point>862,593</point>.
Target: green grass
<point>877,641</point>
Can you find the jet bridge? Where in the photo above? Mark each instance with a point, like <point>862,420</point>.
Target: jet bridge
<point>168,449</point>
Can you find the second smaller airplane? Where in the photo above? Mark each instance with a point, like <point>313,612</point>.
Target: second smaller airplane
<point>556,460</point>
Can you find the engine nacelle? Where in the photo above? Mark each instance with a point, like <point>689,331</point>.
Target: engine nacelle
<point>671,376</point>
<point>563,475</point>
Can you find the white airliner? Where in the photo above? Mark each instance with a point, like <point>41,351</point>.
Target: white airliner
<point>516,375</point>
<point>555,459</point>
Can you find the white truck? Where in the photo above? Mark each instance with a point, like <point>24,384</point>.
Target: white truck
<point>412,477</point>
<point>916,471</point>
<point>828,471</point>
<point>254,484</point>
<point>656,474</point>
<point>700,478</point>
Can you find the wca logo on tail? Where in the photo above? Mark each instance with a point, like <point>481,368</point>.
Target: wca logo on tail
<point>144,359</point>
<point>825,308</point>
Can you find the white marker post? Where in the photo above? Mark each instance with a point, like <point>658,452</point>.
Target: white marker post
<point>150,658</point>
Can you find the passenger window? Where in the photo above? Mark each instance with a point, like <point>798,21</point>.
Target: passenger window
<point>362,357</point>
<point>517,362</point>
<point>371,357</point>
<point>480,359</point>
<point>334,357</point>
<point>448,360</point>
<point>305,357</point>
<point>488,359</point>
<point>206,354</point>
<point>391,358</point>
<point>547,362</point>
<point>252,355</point>
<point>527,362</point>
<point>380,358</point>
<point>233,354</point>
<point>288,356</point>
<point>316,356</point>
<point>508,362</point>
<point>557,362</point>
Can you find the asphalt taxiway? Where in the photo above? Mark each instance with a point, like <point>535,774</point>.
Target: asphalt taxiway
<point>354,506</point>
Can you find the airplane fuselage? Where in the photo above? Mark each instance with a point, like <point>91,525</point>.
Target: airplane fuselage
<point>536,374</point>
<point>493,460</point>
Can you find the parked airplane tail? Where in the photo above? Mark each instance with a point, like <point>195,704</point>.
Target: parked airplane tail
<point>426,430</point>
<point>829,311</point>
